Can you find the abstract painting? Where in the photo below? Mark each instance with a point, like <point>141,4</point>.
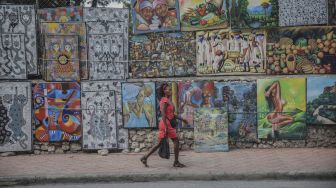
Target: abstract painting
<point>332,12</point>
<point>61,14</point>
<point>138,101</point>
<point>321,104</point>
<point>302,50</point>
<point>57,111</point>
<point>61,58</point>
<point>211,130</point>
<point>78,29</point>
<point>254,13</point>
<point>173,99</point>
<point>108,42</point>
<point>192,95</point>
<point>15,116</point>
<point>200,14</point>
<point>302,12</point>
<point>17,20</point>
<point>12,56</point>
<point>162,55</point>
<point>231,52</point>
<point>281,106</point>
<point>99,115</point>
<point>115,87</point>
<point>155,15</point>
<point>240,97</point>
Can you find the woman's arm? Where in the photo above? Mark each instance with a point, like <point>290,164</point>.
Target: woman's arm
<point>164,118</point>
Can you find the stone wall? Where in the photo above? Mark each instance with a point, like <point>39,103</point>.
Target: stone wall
<point>56,148</point>
<point>317,136</point>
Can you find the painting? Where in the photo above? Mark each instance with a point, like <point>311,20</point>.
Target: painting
<point>78,29</point>
<point>114,87</point>
<point>15,21</point>
<point>211,130</point>
<point>106,57</point>
<point>302,12</point>
<point>159,95</point>
<point>57,111</point>
<point>138,101</point>
<point>12,57</point>
<point>108,42</point>
<point>281,106</point>
<point>332,12</point>
<point>201,15</point>
<point>240,98</point>
<point>193,95</point>
<point>321,104</point>
<point>15,115</point>
<point>162,55</point>
<point>301,50</point>
<point>231,52</point>
<point>155,16</point>
<point>254,13</point>
<point>98,101</point>
<point>61,58</point>
<point>61,14</point>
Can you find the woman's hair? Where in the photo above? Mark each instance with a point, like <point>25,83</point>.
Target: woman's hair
<point>269,100</point>
<point>161,89</point>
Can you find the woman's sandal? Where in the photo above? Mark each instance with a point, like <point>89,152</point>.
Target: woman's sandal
<point>179,165</point>
<point>144,161</point>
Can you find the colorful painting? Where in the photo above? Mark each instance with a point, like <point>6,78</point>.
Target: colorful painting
<point>192,95</point>
<point>108,42</point>
<point>174,98</point>
<point>15,21</point>
<point>240,98</point>
<point>77,29</point>
<point>57,111</point>
<point>281,106</point>
<point>254,13</point>
<point>139,105</point>
<point>155,15</point>
<point>15,115</point>
<point>201,14</point>
<point>61,14</point>
<point>98,101</point>
<point>12,56</point>
<point>302,12</point>
<point>211,130</point>
<point>332,12</point>
<point>321,104</point>
<point>302,50</point>
<point>162,55</point>
<point>61,58</point>
<point>231,52</point>
<point>113,87</point>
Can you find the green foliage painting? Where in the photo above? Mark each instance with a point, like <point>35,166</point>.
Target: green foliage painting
<point>254,13</point>
<point>321,103</point>
<point>281,105</point>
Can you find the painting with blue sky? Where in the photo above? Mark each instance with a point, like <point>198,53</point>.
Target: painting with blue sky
<point>321,94</point>
<point>254,13</point>
<point>240,96</point>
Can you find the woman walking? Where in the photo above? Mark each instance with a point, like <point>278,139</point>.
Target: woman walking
<point>165,125</point>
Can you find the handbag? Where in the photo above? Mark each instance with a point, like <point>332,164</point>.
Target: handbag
<point>173,123</point>
<point>164,151</point>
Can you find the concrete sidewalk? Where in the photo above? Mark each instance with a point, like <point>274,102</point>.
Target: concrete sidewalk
<point>248,164</point>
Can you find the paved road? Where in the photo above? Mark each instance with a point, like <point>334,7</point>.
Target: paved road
<point>200,184</point>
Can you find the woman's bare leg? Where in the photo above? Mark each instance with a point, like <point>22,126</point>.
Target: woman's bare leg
<point>176,153</point>
<point>149,153</point>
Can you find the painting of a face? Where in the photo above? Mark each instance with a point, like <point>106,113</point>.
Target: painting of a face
<point>147,13</point>
<point>68,47</point>
<point>56,47</point>
<point>161,10</point>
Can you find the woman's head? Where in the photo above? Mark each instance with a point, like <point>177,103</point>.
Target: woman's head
<point>161,7</point>
<point>146,10</point>
<point>165,90</point>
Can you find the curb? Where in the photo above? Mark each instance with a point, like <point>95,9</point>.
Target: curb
<point>89,178</point>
